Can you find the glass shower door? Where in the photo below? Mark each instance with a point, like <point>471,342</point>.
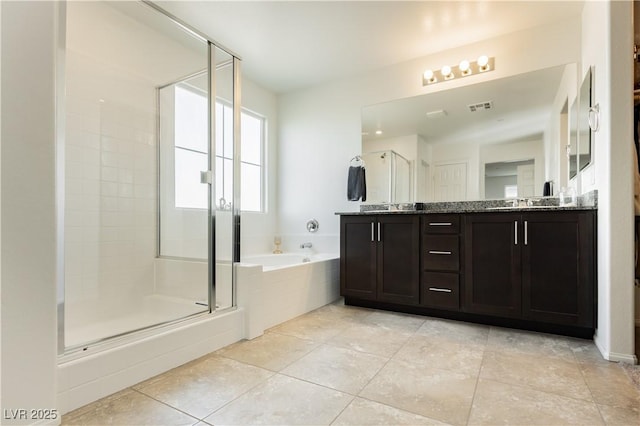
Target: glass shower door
<point>137,219</point>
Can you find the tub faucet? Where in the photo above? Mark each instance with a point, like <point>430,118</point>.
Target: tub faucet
<point>306,245</point>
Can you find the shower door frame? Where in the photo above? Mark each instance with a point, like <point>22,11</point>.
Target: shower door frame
<point>63,350</point>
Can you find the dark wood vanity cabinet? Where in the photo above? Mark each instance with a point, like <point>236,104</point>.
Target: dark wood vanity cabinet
<point>535,266</point>
<point>493,283</point>
<point>358,257</point>
<point>525,269</point>
<point>558,268</point>
<point>379,258</point>
<point>441,263</point>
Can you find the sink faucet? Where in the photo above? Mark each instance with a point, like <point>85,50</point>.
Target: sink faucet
<point>306,245</point>
<point>522,202</point>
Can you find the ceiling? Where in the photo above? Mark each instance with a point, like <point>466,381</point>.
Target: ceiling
<point>290,45</point>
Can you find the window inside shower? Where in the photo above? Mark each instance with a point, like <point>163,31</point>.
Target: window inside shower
<point>130,262</point>
<point>191,151</point>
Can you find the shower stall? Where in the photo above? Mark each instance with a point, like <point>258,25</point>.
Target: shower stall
<point>388,177</point>
<point>148,167</point>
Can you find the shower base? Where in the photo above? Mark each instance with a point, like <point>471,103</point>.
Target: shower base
<point>89,324</point>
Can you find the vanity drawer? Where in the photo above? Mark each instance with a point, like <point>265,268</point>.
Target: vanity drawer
<point>440,252</point>
<point>441,224</point>
<point>440,290</point>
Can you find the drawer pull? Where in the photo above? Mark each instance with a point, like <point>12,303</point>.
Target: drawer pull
<point>440,223</point>
<point>441,290</point>
<point>439,252</point>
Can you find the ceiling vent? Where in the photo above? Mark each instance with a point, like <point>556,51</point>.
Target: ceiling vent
<point>481,106</point>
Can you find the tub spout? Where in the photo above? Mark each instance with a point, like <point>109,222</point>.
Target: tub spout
<point>306,245</point>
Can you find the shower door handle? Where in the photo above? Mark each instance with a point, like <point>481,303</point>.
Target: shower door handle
<point>206,177</point>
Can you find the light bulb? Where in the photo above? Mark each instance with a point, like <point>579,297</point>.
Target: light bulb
<point>378,132</point>
<point>428,75</point>
<point>483,61</point>
<point>464,66</point>
<point>446,71</point>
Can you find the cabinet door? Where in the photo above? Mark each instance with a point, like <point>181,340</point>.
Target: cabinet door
<point>358,256</point>
<point>398,259</point>
<point>557,268</point>
<point>492,261</point>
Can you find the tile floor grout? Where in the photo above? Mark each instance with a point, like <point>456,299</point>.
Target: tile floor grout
<point>344,319</point>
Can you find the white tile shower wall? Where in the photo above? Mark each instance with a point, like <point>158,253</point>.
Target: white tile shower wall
<point>110,209</point>
<point>186,279</point>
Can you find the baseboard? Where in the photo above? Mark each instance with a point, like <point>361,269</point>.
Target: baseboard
<point>628,358</point>
<point>614,356</point>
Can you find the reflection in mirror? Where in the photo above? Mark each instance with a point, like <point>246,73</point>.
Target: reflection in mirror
<point>509,179</point>
<point>456,132</point>
<point>584,132</point>
<point>388,177</point>
<point>573,140</point>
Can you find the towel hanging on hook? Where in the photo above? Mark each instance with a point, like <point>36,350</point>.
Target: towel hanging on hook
<point>356,182</point>
<point>357,161</point>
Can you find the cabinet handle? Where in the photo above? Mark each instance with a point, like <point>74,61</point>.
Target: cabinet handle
<point>439,223</point>
<point>526,233</point>
<point>378,231</point>
<point>439,252</point>
<point>516,231</point>
<point>373,238</point>
<point>441,290</point>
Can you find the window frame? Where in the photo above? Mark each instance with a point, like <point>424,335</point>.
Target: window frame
<point>262,144</point>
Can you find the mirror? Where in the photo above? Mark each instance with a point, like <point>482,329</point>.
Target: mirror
<point>573,140</point>
<point>509,179</point>
<point>452,138</point>
<point>584,130</point>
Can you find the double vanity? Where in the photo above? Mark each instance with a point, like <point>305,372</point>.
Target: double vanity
<point>529,264</point>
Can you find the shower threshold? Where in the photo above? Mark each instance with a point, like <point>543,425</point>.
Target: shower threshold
<point>92,325</point>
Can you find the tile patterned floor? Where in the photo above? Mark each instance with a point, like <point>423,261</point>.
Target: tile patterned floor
<point>343,365</point>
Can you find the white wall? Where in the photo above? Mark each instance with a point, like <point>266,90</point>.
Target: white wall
<point>28,206</point>
<point>320,126</point>
<point>258,229</point>
<point>606,41</point>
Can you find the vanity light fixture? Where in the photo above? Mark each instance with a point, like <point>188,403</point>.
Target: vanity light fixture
<point>446,72</point>
<point>463,69</point>
<point>429,77</point>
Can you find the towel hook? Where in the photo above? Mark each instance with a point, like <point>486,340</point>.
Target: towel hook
<point>357,161</point>
<point>594,118</point>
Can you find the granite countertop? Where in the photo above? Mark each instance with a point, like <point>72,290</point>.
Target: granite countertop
<point>587,201</point>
